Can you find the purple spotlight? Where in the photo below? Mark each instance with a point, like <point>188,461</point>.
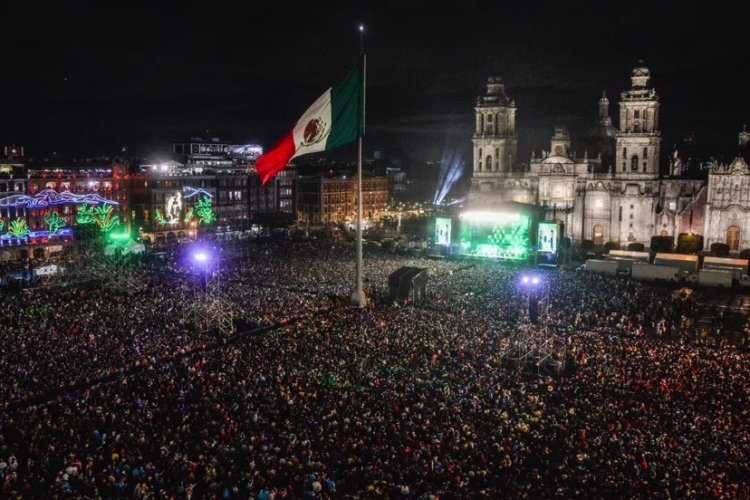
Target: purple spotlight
<point>535,280</point>
<point>525,279</point>
<point>200,257</point>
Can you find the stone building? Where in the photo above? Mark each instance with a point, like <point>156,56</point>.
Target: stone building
<point>333,199</point>
<point>614,191</point>
<point>728,205</point>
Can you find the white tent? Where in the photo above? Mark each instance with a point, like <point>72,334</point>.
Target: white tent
<point>129,247</point>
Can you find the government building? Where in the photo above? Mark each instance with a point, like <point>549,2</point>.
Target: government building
<point>614,191</point>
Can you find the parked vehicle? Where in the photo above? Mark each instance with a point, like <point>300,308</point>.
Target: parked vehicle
<point>715,277</point>
<point>607,267</point>
<point>649,272</point>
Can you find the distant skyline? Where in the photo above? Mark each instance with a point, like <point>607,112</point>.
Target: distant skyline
<point>92,79</point>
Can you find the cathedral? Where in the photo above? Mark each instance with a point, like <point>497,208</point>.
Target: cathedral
<point>614,192</point>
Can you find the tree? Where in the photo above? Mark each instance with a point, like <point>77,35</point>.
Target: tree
<point>720,249</point>
<point>689,243</point>
<point>612,245</point>
<point>662,244</point>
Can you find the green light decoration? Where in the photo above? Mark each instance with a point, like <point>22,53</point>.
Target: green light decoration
<point>85,215</point>
<point>205,210</point>
<point>119,236</point>
<point>18,228</point>
<point>189,216</point>
<point>104,218</point>
<point>159,217</point>
<point>2,224</point>
<point>499,235</point>
<point>54,222</point>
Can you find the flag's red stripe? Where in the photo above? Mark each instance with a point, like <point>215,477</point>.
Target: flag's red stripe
<point>273,161</point>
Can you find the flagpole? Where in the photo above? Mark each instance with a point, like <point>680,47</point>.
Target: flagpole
<point>358,296</point>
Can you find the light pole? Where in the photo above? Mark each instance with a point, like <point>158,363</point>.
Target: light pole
<point>201,259</point>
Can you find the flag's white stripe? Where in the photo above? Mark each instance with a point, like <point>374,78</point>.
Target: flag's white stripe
<point>321,110</point>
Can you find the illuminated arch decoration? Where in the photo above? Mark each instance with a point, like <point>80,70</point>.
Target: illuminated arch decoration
<point>54,222</point>
<point>49,197</point>
<point>104,218</point>
<point>191,191</point>
<point>18,228</point>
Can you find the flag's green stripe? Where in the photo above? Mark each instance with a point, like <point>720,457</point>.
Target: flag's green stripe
<point>347,109</point>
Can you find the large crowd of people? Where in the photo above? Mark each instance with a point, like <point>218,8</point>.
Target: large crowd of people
<point>107,395</point>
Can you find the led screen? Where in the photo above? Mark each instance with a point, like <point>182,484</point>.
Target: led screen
<point>442,231</point>
<point>547,237</point>
<point>495,234</point>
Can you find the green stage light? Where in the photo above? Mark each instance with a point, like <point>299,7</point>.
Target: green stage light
<point>119,236</point>
<point>499,235</point>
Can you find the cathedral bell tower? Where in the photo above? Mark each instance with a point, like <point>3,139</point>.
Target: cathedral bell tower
<point>638,143</point>
<point>495,141</point>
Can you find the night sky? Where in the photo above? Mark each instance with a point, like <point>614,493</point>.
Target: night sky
<point>92,79</point>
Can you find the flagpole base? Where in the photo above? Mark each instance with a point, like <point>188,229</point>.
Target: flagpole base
<point>359,299</point>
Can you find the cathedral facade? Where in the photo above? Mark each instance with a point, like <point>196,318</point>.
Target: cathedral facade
<point>614,191</point>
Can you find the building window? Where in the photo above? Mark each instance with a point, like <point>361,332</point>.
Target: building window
<point>634,163</point>
<point>488,162</point>
<point>636,114</point>
<point>645,153</point>
<point>624,153</point>
<point>733,238</point>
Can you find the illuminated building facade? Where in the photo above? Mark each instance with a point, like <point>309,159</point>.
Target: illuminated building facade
<point>90,184</point>
<point>325,199</point>
<point>40,204</point>
<point>12,184</point>
<point>229,164</point>
<point>163,199</point>
<point>277,196</point>
<point>613,191</point>
<point>376,196</point>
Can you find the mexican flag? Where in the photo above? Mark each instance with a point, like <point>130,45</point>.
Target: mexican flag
<point>334,119</point>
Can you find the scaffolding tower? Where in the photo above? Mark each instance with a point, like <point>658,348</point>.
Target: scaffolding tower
<point>209,311</point>
<point>534,345</point>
